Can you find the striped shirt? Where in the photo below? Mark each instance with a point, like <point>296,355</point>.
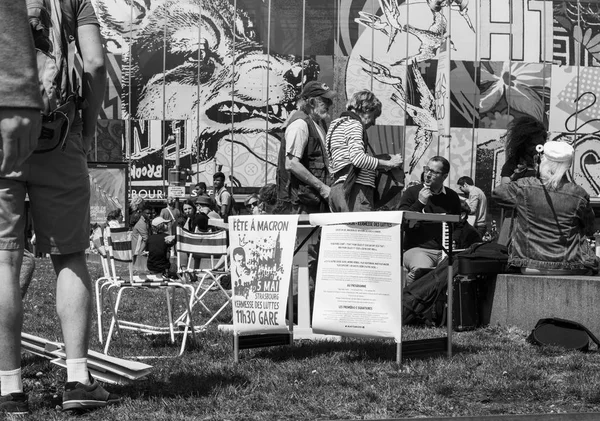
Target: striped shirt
<point>345,146</point>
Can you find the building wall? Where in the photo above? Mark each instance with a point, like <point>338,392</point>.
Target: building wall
<point>222,75</point>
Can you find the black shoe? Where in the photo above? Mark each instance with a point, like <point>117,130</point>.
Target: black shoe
<point>14,403</point>
<point>78,396</point>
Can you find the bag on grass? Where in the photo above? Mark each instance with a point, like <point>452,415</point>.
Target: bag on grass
<point>561,332</point>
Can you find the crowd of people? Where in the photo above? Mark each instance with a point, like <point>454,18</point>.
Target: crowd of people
<point>321,168</point>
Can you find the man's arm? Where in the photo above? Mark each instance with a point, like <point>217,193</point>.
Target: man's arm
<point>20,99</point>
<point>409,202</point>
<point>473,202</point>
<point>94,76</point>
<point>505,195</point>
<point>293,165</point>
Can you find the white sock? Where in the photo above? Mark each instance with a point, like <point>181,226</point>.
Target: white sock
<point>11,382</point>
<point>77,370</point>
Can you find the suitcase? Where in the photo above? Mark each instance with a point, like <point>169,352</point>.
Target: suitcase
<point>465,303</point>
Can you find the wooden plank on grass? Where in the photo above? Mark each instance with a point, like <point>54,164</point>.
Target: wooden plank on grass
<point>102,363</point>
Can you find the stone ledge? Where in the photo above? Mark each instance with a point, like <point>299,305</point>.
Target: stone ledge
<point>521,300</point>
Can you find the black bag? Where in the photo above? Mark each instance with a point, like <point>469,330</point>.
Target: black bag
<point>561,332</point>
<point>424,301</point>
<point>465,306</point>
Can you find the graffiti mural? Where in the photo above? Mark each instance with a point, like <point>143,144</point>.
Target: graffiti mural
<point>229,72</point>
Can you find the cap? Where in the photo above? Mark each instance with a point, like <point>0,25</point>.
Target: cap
<point>204,201</point>
<point>314,89</point>
<point>158,220</point>
<point>558,151</point>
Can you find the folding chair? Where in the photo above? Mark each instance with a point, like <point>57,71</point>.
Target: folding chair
<point>99,244</point>
<point>213,245</point>
<point>119,249</point>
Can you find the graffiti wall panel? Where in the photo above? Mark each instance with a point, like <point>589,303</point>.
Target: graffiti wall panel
<point>574,101</point>
<point>576,33</point>
<point>183,60</point>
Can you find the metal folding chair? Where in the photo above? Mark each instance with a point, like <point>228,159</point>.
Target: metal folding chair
<point>99,244</point>
<point>214,246</point>
<point>119,249</point>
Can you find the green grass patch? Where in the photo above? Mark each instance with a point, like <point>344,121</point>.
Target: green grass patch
<point>493,371</point>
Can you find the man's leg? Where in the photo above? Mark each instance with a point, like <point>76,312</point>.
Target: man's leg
<point>419,258</point>
<point>74,306</point>
<point>11,321</point>
<point>74,303</point>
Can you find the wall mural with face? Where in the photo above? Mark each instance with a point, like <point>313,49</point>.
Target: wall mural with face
<point>224,74</point>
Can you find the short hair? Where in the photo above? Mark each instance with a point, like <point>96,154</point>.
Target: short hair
<point>202,185</point>
<point>552,172</point>
<point>220,175</point>
<point>147,207</point>
<point>364,101</point>
<point>114,215</point>
<point>444,161</point>
<point>465,179</point>
<point>268,194</point>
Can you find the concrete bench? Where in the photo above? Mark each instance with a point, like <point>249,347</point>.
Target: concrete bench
<point>521,300</point>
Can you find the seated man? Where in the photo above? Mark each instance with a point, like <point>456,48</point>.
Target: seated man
<point>553,218</point>
<point>159,244</point>
<point>423,241</point>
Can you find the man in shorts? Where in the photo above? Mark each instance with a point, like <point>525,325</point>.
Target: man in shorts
<point>57,183</point>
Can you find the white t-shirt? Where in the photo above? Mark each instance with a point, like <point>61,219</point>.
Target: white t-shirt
<point>296,138</point>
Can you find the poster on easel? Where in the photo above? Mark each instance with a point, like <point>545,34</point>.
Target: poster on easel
<point>261,250</point>
<point>358,288</point>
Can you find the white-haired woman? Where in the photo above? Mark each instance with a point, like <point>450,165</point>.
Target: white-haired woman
<point>553,218</point>
<point>353,169</point>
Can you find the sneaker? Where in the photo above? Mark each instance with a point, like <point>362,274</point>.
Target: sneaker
<point>78,396</point>
<point>14,403</point>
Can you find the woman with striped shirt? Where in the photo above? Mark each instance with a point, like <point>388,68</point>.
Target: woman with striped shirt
<point>353,169</point>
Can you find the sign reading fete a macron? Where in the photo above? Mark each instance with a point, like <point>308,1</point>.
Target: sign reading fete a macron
<point>358,278</point>
<point>261,248</point>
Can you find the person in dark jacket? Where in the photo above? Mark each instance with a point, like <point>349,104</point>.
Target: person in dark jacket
<point>423,241</point>
<point>553,218</point>
<point>307,186</point>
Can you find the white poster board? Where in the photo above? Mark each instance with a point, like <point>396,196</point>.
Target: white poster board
<point>261,249</point>
<point>358,288</point>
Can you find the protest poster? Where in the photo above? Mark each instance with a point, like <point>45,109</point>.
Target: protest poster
<point>358,288</point>
<point>261,249</point>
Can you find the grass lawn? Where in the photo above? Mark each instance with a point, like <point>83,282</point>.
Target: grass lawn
<point>493,371</point>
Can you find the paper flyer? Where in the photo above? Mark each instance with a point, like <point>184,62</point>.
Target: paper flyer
<point>358,291</point>
<point>261,249</point>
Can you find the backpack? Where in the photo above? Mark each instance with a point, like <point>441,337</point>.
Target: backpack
<point>424,300</point>
<point>55,55</point>
<point>231,209</point>
<point>563,333</point>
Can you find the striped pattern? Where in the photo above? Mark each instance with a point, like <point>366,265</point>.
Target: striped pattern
<point>120,244</point>
<point>212,243</point>
<point>346,145</point>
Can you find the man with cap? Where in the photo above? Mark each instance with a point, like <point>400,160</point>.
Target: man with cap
<point>306,188</point>
<point>553,218</point>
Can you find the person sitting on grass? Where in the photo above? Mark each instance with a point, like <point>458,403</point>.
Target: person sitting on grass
<point>159,245</point>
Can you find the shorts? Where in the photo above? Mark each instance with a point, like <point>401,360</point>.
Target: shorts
<point>58,186</point>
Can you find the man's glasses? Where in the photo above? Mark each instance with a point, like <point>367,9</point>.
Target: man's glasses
<point>428,170</point>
